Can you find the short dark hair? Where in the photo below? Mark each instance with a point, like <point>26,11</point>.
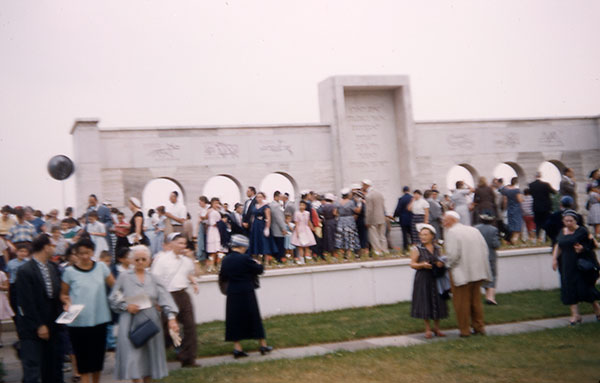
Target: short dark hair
<point>252,188</point>
<point>24,245</point>
<point>94,197</point>
<point>84,242</point>
<point>203,199</point>
<point>286,194</point>
<point>175,192</point>
<point>40,242</point>
<point>276,194</point>
<point>514,181</point>
<point>417,191</point>
<point>122,253</point>
<point>406,189</point>
<point>6,209</point>
<point>93,213</point>
<point>20,212</point>
<point>151,212</point>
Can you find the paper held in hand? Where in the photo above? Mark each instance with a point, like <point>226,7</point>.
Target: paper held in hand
<point>68,317</point>
<point>142,301</point>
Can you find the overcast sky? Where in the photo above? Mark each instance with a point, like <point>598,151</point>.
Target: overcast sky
<point>147,63</point>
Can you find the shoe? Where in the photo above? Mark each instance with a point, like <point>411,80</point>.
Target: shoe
<point>265,349</point>
<point>239,354</point>
<point>190,365</point>
<point>428,335</point>
<point>490,302</point>
<point>439,333</point>
<point>575,322</point>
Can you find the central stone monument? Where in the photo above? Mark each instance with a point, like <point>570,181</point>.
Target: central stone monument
<point>372,131</point>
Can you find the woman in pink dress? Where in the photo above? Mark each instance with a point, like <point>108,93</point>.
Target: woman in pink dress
<point>303,236</point>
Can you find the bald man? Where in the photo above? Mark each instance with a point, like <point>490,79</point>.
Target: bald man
<point>469,265</point>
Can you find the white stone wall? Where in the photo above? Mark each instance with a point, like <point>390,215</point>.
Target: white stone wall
<point>332,287</point>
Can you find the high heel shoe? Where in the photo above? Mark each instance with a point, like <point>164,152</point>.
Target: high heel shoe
<point>439,333</point>
<point>575,322</point>
<point>239,354</point>
<point>265,349</point>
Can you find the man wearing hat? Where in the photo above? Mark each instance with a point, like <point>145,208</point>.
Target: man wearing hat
<point>176,272</point>
<point>467,254</point>
<point>375,218</point>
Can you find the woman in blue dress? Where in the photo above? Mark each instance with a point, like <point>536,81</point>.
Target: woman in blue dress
<point>261,241</point>
<point>513,199</point>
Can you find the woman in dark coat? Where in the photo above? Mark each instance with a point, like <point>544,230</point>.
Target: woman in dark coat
<point>242,316</point>
<point>329,212</point>
<point>574,242</point>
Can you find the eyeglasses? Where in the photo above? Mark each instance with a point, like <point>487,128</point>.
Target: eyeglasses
<point>141,259</point>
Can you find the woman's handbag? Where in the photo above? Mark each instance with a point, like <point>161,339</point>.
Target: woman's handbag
<point>140,335</point>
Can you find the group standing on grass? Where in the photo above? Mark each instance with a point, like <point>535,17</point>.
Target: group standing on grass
<point>103,261</point>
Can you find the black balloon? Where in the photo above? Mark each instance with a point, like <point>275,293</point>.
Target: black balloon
<point>60,167</point>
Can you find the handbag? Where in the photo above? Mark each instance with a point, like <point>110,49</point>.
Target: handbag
<point>140,335</point>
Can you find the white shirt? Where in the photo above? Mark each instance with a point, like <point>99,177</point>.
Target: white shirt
<point>178,210</point>
<point>419,206</point>
<point>202,212</point>
<point>172,270</point>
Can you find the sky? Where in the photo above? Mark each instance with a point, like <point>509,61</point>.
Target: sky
<point>155,63</point>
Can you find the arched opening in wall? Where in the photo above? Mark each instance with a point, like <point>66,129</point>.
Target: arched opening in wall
<point>461,172</point>
<point>224,187</point>
<point>507,171</point>
<point>157,191</point>
<point>278,181</point>
<point>552,172</point>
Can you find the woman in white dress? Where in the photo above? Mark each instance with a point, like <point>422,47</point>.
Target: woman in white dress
<point>213,238</point>
<point>461,202</point>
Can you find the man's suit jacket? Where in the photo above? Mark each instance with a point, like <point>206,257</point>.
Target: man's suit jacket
<point>402,209</point>
<point>250,203</point>
<point>541,192</point>
<point>277,219</point>
<point>34,307</point>
<point>375,209</point>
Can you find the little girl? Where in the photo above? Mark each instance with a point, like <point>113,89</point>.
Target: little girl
<point>303,236</point>
<point>5,310</point>
<point>289,227</point>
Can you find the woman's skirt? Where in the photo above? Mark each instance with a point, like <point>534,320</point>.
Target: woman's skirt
<point>346,235</point>
<point>414,234</point>
<point>89,345</point>
<point>242,317</point>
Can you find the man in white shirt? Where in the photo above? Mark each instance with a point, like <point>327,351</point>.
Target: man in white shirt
<point>176,272</point>
<point>176,212</point>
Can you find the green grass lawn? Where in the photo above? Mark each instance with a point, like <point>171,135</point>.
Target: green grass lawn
<point>569,354</point>
<point>342,325</point>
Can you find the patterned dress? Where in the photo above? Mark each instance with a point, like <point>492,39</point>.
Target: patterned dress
<point>427,303</point>
<point>346,235</point>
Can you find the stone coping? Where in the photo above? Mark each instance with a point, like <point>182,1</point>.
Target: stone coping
<point>370,264</point>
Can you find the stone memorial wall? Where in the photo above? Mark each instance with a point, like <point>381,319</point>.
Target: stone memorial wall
<point>366,131</point>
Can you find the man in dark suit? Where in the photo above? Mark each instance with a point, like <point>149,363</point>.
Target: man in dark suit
<point>542,202</point>
<point>405,216</point>
<point>249,207</point>
<point>38,292</point>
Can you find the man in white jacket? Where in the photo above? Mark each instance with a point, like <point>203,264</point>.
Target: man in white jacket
<point>467,254</point>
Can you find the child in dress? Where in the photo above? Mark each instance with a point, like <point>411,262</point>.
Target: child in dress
<point>97,232</point>
<point>289,227</point>
<point>303,237</point>
<point>5,310</point>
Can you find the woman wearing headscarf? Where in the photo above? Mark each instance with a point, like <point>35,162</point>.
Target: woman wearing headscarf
<point>427,301</point>
<point>239,272</point>
<point>573,245</point>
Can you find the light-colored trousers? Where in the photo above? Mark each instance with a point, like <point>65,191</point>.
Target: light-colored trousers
<point>377,238</point>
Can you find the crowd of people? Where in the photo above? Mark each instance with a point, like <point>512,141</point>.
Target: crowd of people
<point>137,273</point>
